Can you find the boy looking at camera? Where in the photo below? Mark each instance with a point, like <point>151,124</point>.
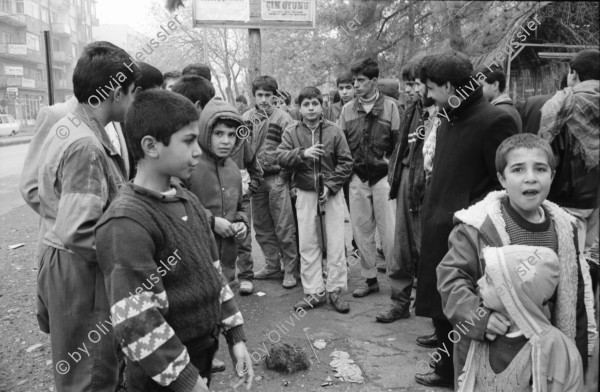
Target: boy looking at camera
<point>313,148</point>
<point>271,204</point>
<point>520,215</point>
<point>200,91</point>
<point>168,296</point>
<point>217,181</point>
<point>345,87</point>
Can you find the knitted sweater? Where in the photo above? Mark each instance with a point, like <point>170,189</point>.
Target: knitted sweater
<point>163,280</point>
<point>522,232</point>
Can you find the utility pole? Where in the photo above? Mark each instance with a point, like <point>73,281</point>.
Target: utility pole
<point>48,44</point>
<point>254,53</point>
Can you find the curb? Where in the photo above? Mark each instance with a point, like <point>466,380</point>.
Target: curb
<point>14,142</point>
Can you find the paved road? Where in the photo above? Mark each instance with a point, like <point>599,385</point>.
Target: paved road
<point>11,165</point>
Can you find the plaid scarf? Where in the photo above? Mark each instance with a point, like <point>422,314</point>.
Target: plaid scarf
<point>576,108</point>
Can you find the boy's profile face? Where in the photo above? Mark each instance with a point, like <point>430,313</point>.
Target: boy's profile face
<point>527,178</point>
<point>124,101</point>
<point>222,140</point>
<point>422,91</point>
<point>346,91</point>
<point>489,90</point>
<point>263,99</point>
<point>411,92</point>
<point>311,109</point>
<point>364,86</point>
<point>180,157</point>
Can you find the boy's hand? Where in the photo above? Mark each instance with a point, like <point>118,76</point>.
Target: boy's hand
<point>314,152</point>
<point>224,228</point>
<point>242,363</point>
<point>200,385</point>
<point>324,196</point>
<point>498,324</point>
<point>240,229</point>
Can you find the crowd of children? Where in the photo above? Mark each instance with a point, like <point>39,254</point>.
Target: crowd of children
<point>147,203</point>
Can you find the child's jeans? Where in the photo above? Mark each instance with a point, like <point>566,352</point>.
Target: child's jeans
<point>311,264</point>
<point>201,352</point>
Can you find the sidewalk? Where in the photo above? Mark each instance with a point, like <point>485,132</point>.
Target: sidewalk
<point>12,140</point>
<point>23,137</point>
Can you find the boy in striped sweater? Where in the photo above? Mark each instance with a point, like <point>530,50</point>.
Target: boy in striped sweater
<point>168,297</point>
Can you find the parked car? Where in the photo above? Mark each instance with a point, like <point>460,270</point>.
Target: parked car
<point>8,125</point>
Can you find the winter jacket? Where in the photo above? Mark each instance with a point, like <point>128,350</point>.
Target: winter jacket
<point>79,175</point>
<point>217,182</point>
<point>408,153</point>
<point>464,171</point>
<point>336,164</point>
<point>482,225</point>
<point>371,136</point>
<point>504,102</point>
<point>267,128</point>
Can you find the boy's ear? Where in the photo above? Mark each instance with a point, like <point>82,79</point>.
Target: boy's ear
<point>501,179</point>
<point>137,89</point>
<point>149,146</point>
<point>552,175</point>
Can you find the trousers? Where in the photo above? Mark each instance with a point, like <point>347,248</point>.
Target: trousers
<point>274,224</point>
<point>311,260</point>
<point>73,308</point>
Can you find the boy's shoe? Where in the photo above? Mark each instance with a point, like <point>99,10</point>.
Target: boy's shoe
<point>392,313</point>
<point>289,281</point>
<point>429,341</point>
<point>339,304</point>
<point>246,287</point>
<point>217,366</point>
<point>310,301</point>
<point>365,290</point>
<point>266,274</point>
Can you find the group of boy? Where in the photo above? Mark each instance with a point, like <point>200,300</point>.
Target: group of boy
<point>450,263</point>
<point>131,224</point>
<point>129,255</point>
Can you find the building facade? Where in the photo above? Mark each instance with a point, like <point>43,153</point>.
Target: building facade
<point>23,75</point>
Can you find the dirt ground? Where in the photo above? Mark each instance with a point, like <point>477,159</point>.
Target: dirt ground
<point>386,353</point>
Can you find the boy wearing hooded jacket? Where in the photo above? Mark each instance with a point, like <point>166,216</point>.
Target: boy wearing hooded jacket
<point>217,180</point>
<point>520,215</point>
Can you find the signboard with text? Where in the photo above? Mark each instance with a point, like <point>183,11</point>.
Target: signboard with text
<point>255,14</point>
<point>17,49</point>
<point>13,70</point>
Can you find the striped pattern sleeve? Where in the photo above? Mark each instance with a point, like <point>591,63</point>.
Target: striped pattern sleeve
<point>232,320</point>
<point>139,302</point>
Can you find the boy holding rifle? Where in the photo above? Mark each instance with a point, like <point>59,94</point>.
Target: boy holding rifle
<point>316,151</point>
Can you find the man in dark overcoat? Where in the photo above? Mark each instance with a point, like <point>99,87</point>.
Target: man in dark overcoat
<point>469,132</point>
